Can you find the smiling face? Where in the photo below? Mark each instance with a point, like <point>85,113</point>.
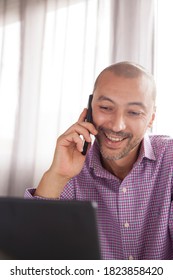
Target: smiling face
<point>123,109</point>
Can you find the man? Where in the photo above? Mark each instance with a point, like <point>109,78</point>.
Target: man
<point>127,172</point>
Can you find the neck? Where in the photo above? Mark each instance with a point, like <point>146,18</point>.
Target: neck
<point>121,168</point>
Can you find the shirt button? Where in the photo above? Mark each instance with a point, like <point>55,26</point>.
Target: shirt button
<point>124,190</point>
<point>131,257</point>
<point>126,225</point>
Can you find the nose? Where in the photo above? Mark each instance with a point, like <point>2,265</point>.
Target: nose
<point>117,122</point>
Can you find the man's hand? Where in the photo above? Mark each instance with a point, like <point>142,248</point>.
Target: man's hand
<point>68,160</point>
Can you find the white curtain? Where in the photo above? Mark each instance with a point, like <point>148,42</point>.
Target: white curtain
<point>163,67</point>
<point>50,54</point>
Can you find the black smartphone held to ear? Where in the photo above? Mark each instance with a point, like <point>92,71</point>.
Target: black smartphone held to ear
<point>88,119</point>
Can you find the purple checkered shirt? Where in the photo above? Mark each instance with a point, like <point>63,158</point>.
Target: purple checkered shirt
<point>135,216</point>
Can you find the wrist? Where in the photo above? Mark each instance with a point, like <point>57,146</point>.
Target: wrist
<point>51,185</point>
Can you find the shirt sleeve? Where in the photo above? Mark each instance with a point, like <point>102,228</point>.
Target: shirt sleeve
<point>67,194</point>
<point>29,194</point>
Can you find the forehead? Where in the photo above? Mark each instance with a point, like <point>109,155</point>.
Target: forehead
<point>134,89</point>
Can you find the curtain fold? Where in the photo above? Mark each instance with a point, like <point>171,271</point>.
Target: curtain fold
<point>58,48</point>
<point>9,69</point>
<point>133,32</point>
<point>32,22</point>
<point>163,67</point>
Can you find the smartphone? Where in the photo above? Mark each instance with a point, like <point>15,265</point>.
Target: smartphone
<point>88,119</point>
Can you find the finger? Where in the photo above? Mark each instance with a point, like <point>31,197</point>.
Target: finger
<point>82,121</point>
<point>80,130</point>
<point>83,133</point>
<point>73,140</point>
<point>83,115</point>
<point>89,126</point>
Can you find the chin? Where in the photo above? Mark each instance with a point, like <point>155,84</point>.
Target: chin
<point>113,155</point>
<point>117,155</point>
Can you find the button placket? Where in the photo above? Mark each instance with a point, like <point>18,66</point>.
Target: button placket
<point>131,257</point>
<point>126,225</point>
<point>125,220</point>
<point>124,190</point>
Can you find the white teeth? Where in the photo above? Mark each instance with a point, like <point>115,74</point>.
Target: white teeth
<point>114,139</point>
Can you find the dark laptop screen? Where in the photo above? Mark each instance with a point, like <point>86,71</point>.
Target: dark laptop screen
<point>42,229</point>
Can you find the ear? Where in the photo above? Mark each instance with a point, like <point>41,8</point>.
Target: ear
<point>152,118</point>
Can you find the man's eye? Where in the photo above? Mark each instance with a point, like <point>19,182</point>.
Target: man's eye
<point>103,107</point>
<point>133,113</point>
<point>106,108</point>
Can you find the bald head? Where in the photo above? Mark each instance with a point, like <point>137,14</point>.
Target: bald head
<point>129,70</point>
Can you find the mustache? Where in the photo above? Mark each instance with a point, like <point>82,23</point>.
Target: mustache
<point>122,134</point>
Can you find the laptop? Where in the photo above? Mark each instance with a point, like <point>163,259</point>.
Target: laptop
<point>44,229</point>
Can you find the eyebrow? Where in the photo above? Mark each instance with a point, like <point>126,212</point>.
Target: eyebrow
<point>105,98</point>
<point>135,103</point>
<point>140,104</point>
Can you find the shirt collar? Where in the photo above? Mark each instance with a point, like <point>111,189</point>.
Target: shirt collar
<point>146,150</point>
